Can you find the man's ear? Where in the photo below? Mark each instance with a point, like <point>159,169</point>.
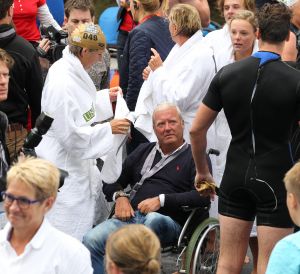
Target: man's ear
<point>10,11</point>
<point>65,20</point>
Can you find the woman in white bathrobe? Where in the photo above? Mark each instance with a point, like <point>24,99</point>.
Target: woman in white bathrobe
<point>183,78</point>
<point>219,40</point>
<point>72,142</point>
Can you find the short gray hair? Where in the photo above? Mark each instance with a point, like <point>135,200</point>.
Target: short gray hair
<point>75,50</point>
<point>164,106</point>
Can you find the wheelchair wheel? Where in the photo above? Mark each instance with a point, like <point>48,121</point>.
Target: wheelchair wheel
<point>203,249</point>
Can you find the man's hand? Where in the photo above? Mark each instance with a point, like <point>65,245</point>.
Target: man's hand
<point>43,47</point>
<point>146,73</point>
<point>201,179</point>
<point>119,126</point>
<point>149,205</point>
<point>155,60</point>
<point>123,209</point>
<point>113,93</point>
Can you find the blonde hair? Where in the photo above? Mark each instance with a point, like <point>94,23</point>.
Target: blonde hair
<point>6,59</point>
<point>292,180</point>
<point>134,249</point>
<point>38,173</point>
<point>247,5</point>
<point>164,6</point>
<point>248,16</point>
<point>186,18</point>
<point>151,5</point>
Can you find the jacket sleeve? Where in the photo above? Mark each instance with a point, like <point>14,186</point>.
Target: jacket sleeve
<point>34,87</point>
<point>189,198</point>
<point>139,53</point>
<point>188,87</point>
<point>77,137</point>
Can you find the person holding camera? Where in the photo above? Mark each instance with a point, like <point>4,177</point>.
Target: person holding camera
<point>26,81</point>
<point>76,138</point>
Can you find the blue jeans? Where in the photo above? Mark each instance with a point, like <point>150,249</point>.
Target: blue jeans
<point>165,228</point>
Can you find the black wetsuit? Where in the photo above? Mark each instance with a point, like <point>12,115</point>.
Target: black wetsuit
<point>260,122</point>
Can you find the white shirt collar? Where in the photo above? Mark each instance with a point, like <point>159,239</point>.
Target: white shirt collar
<point>37,240</point>
<point>167,155</point>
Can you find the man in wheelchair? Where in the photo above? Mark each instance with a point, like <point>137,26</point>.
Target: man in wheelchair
<point>161,176</point>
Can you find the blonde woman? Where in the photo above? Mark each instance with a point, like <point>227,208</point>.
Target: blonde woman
<point>29,242</point>
<point>133,249</point>
<point>183,78</point>
<point>219,40</point>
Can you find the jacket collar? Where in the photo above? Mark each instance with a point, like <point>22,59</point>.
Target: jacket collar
<point>7,33</point>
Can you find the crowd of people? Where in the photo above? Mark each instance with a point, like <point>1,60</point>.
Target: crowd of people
<point>236,90</point>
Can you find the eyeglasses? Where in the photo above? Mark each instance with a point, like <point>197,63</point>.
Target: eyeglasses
<point>22,202</point>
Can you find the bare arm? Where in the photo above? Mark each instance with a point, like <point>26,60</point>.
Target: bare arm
<point>203,120</point>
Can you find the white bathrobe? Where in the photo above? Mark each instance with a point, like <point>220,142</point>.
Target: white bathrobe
<point>219,40</point>
<point>72,144</point>
<point>183,79</point>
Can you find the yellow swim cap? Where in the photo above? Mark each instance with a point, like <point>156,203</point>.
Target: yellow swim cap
<point>88,36</point>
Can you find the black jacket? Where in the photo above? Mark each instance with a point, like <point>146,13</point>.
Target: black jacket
<point>26,82</point>
<point>3,167</point>
<point>175,180</point>
<point>153,33</point>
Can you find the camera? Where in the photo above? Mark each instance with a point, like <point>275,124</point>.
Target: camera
<point>57,46</point>
<point>35,136</point>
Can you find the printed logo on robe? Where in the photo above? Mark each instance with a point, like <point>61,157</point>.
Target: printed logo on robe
<point>90,114</point>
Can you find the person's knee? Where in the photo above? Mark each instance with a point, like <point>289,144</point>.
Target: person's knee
<point>154,220</point>
<point>159,223</point>
<point>95,239</point>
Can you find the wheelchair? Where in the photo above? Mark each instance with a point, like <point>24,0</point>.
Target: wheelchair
<point>198,244</point>
<point>197,248</point>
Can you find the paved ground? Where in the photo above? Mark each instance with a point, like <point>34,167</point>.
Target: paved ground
<point>169,264</point>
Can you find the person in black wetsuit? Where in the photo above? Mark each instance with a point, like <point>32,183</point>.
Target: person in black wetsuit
<point>261,100</point>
